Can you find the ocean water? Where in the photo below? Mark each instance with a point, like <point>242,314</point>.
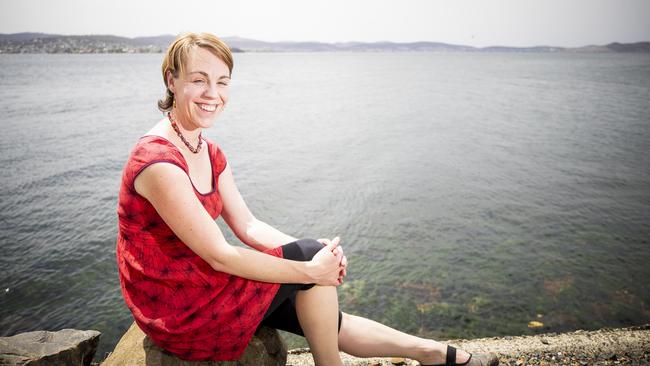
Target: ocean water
<point>473,193</point>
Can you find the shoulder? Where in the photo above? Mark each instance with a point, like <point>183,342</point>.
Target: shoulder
<point>162,179</point>
<point>149,150</point>
<point>152,148</point>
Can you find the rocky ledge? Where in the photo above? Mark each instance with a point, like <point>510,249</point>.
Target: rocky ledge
<point>65,347</point>
<point>136,349</point>
<point>622,346</point>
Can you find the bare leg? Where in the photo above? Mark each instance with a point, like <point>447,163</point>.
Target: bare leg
<point>363,337</point>
<point>318,314</point>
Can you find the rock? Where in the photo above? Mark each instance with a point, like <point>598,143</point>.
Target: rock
<point>266,348</point>
<point>64,347</point>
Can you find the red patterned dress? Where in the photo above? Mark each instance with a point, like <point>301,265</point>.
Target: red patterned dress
<point>176,298</point>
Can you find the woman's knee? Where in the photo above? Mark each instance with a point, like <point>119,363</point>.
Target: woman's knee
<point>309,248</point>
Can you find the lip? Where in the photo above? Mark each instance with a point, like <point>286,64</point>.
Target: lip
<point>216,107</point>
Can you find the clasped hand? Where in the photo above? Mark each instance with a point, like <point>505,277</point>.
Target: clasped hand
<point>329,264</point>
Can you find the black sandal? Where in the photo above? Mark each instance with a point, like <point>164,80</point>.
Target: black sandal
<point>479,359</point>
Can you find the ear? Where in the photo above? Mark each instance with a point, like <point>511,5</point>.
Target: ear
<point>170,82</point>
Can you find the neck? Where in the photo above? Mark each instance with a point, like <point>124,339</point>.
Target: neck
<point>186,141</point>
<point>191,135</point>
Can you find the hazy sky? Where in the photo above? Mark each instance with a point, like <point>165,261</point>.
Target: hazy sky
<point>470,22</point>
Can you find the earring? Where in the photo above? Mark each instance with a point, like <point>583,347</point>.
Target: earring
<point>174,103</point>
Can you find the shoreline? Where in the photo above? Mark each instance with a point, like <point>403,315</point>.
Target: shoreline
<point>606,346</point>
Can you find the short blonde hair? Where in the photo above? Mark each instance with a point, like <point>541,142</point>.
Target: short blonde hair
<point>178,52</point>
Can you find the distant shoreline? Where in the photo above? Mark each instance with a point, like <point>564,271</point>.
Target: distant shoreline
<point>41,43</point>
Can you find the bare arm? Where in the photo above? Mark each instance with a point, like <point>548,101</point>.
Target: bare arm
<point>251,231</point>
<point>169,190</point>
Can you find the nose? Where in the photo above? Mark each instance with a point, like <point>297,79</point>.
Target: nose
<point>211,92</point>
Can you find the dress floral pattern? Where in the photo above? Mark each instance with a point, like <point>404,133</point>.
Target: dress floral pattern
<point>176,298</point>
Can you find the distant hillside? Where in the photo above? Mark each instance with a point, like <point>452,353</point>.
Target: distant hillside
<point>615,47</point>
<point>629,47</point>
<point>54,43</point>
<point>22,37</point>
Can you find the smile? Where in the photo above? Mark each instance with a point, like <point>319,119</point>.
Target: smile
<point>208,107</point>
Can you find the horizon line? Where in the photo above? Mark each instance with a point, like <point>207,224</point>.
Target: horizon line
<point>327,42</point>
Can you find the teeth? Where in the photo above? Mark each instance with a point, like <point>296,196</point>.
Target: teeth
<point>208,107</point>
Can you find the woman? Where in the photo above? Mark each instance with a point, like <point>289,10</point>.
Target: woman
<point>190,291</point>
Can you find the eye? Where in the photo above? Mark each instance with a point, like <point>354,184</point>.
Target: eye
<point>223,83</point>
<point>198,81</point>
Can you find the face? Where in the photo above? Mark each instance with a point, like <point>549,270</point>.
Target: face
<point>202,91</point>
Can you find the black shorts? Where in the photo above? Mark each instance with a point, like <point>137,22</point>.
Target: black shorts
<point>282,311</point>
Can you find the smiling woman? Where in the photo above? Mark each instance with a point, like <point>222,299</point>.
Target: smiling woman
<point>189,290</point>
<point>196,96</point>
